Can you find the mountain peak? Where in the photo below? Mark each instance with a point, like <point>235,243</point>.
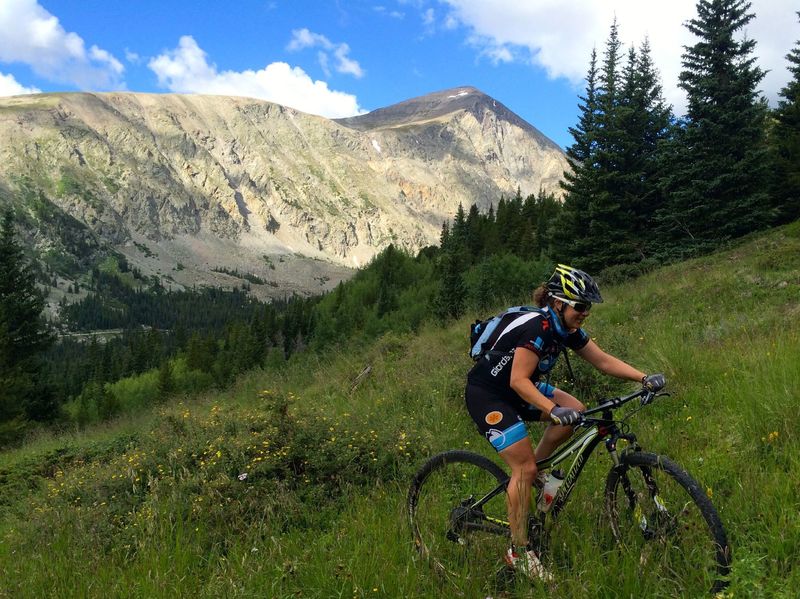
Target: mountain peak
<point>437,105</point>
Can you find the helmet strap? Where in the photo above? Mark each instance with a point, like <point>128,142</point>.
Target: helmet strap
<point>560,311</point>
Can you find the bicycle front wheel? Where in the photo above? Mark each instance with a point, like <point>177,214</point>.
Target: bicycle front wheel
<point>660,514</point>
<point>457,511</point>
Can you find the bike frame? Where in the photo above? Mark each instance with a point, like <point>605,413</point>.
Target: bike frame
<point>581,447</point>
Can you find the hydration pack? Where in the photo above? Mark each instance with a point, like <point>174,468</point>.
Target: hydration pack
<point>484,333</point>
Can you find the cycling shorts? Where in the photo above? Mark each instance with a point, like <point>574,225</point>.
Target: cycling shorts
<point>499,419</point>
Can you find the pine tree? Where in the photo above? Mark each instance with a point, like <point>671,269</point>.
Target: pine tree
<point>474,234</point>
<point>23,335</point>
<point>387,266</point>
<point>595,220</point>
<point>449,302</point>
<point>580,181</point>
<point>646,120</point>
<point>444,236</point>
<point>607,216</point>
<point>785,145</point>
<point>716,175</point>
<point>165,384</point>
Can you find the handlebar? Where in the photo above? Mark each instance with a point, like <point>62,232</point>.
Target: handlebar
<point>616,402</point>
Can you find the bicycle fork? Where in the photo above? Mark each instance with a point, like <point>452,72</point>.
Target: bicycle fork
<point>635,502</point>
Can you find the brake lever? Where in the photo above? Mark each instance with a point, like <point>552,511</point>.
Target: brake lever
<point>647,398</point>
<point>651,396</point>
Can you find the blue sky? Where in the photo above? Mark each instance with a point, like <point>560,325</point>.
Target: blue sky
<point>342,57</point>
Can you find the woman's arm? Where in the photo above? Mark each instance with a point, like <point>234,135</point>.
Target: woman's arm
<point>522,368</point>
<point>608,364</point>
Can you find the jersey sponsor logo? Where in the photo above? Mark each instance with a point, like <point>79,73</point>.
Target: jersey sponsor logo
<point>496,437</point>
<point>493,418</point>
<point>503,361</point>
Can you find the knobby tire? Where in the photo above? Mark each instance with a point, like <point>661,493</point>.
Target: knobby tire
<point>459,545</point>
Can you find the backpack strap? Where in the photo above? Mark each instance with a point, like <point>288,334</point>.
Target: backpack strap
<point>569,366</point>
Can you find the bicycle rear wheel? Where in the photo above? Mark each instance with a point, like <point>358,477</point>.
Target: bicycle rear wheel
<point>659,513</point>
<point>457,511</point>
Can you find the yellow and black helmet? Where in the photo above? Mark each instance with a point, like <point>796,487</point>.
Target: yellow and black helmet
<point>573,284</point>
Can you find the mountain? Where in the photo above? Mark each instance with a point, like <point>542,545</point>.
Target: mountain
<point>210,189</point>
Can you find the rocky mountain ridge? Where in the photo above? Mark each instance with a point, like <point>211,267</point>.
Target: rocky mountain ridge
<point>191,188</point>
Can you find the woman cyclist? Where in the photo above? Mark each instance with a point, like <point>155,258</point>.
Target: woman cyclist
<point>504,389</point>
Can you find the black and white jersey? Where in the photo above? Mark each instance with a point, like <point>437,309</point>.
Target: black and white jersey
<point>540,332</point>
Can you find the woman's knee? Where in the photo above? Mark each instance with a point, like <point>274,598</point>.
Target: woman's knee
<point>521,459</point>
<point>525,470</point>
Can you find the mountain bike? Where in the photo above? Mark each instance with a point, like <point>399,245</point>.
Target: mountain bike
<point>458,516</point>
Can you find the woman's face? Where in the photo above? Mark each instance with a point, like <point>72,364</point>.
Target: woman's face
<point>573,319</point>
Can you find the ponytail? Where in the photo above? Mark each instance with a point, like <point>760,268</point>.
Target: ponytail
<point>541,295</point>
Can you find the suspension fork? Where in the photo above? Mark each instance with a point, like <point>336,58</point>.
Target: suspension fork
<point>614,435</point>
<point>633,445</point>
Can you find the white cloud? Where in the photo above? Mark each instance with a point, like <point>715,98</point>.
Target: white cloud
<point>186,70</point>
<point>346,65</point>
<point>450,23</point>
<point>303,38</point>
<point>31,35</point>
<point>132,57</point>
<point>559,36</point>
<point>10,87</point>
<point>395,14</point>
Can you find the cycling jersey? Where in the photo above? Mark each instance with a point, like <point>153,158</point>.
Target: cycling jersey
<point>496,408</point>
<point>540,332</point>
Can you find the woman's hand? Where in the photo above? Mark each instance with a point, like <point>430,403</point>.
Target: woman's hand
<point>564,416</point>
<point>654,382</point>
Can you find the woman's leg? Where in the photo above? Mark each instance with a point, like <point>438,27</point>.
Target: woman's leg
<point>555,434</point>
<point>521,460</point>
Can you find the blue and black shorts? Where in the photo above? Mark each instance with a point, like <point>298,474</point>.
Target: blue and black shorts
<point>499,419</point>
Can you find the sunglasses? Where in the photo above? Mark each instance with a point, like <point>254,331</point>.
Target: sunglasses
<point>583,307</point>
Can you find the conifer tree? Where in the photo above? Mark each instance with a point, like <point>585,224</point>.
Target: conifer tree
<point>387,266</point>
<point>716,175</point>
<point>604,241</point>
<point>595,219</point>
<point>458,234</point>
<point>165,384</point>
<point>23,335</point>
<point>646,120</point>
<point>474,234</point>
<point>449,302</point>
<point>579,182</point>
<point>785,145</point>
<point>444,236</point>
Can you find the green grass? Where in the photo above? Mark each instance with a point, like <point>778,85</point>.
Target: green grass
<point>152,505</point>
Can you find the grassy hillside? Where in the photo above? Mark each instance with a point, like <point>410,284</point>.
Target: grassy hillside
<point>159,505</point>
